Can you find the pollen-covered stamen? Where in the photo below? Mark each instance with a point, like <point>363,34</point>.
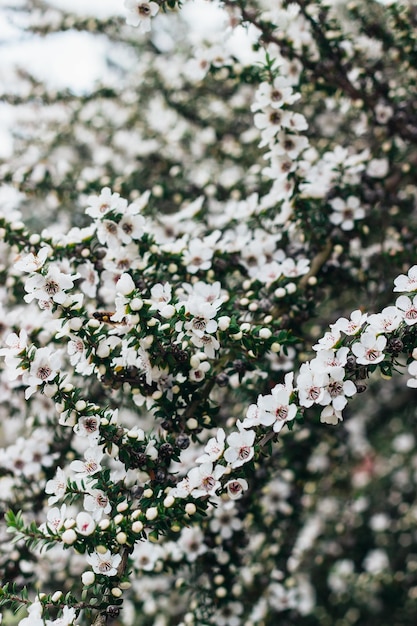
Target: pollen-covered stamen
<point>281,413</point>
<point>105,567</point>
<point>199,323</point>
<point>102,500</point>
<point>372,354</point>
<point>244,452</point>
<point>90,424</point>
<point>335,388</point>
<point>91,467</point>
<point>43,372</point>
<point>127,228</point>
<point>275,117</point>
<point>143,10</point>
<point>276,95</point>
<point>51,287</point>
<point>235,487</point>
<point>411,314</point>
<point>111,228</point>
<point>208,483</point>
<point>314,393</point>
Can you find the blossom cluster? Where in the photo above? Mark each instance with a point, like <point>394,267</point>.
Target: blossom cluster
<point>166,379</point>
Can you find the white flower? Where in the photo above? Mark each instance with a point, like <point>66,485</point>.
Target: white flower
<point>56,486</point>
<point>31,262</point>
<point>89,276</point>
<point>51,287</point>
<point>214,448</point>
<point>161,295</point>
<point>96,502</point>
<point>236,487</point>
<point>44,367</point>
<point>131,227</point>
<point>240,448</point>
<point>407,283</point>
<point>35,616</point>
<point>90,466</point>
<point>202,321</point>
<point>140,14</point>
<point>330,415</point>
<point>85,524</point>
<point>337,389</point>
<point>88,426</point>
<point>54,520</point>
<point>408,308</point>
<point>369,350</point>
<point>106,563</point>
<point>198,256</point>
<point>385,322</point>
<point>329,340</point>
<point>191,542</point>
<point>66,619</point>
<point>328,359</point>
<point>350,326</point>
<point>311,385</point>
<point>104,203</point>
<point>16,344</point>
<point>274,95</point>
<point>275,409</point>
<point>204,479</point>
<point>345,212</point>
<point>146,555</point>
<point>378,168</point>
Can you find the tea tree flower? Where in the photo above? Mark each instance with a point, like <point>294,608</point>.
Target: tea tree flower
<point>90,466</point>
<point>49,287</point>
<point>240,448</point>
<point>369,350</point>
<point>346,212</point>
<point>104,563</point>
<point>140,14</point>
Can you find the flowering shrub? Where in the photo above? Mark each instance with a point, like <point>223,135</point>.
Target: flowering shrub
<point>184,346</point>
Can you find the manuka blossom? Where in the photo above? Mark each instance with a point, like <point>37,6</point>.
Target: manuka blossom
<point>43,369</point>
<point>49,288</point>
<point>97,503</point>
<point>311,385</point>
<point>56,486</point>
<point>90,466</point>
<point>204,479</point>
<point>240,448</point>
<point>214,448</point>
<point>32,262</point>
<point>16,344</point>
<point>408,308</point>
<point>107,201</point>
<point>140,14</point>
<point>407,282</point>
<point>385,322</point>
<point>104,563</point>
<point>350,326</point>
<point>54,520</point>
<point>369,350</point>
<point>345,212</point>
<point>235,488</point>
<point>337,389</point>
<point>274,409</point>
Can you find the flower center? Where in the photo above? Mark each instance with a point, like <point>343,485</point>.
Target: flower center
<point>281,413</point>
<point>51,287</point>
<point>43,372</point>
